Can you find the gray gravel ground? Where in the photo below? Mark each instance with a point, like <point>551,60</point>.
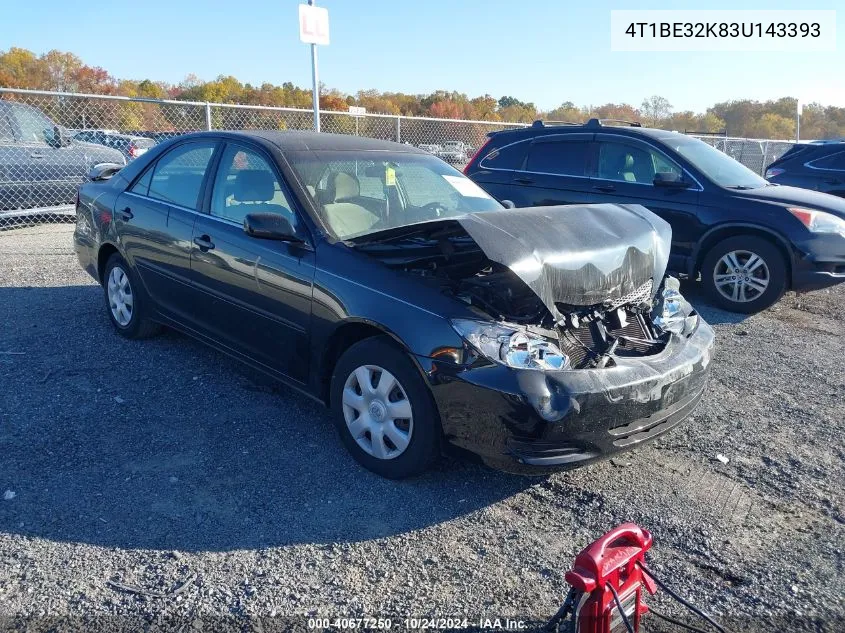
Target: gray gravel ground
<point>164,467</point>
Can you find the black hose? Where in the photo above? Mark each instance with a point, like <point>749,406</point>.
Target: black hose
<point>683,625</point>
<point>566,607</point>
<point>688,605</point>
<point>622,613</point>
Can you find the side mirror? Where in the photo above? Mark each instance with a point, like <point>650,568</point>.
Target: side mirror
<point>508,204</point>
<point>270,226</point>
<point>104,171</point>
<point>670,179</point>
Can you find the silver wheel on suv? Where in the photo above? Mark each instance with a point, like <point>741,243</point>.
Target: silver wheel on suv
<point>741,276</point>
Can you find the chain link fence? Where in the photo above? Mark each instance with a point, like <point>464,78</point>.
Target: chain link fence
<point>756,154</point>
<point>49,140</point>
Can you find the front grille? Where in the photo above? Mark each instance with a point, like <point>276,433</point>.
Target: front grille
<point>640,295</point>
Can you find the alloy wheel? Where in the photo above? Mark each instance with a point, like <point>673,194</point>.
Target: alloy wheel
<point>377,411</point>
<point>121,300</point>
<point>741,276</point>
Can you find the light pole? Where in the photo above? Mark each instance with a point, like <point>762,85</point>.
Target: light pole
<point>315,81</point>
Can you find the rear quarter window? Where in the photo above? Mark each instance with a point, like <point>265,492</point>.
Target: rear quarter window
<point>834,162</point>
<point>511,156</point>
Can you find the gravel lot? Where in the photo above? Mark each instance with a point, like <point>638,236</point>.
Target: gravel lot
<point>160,482</point>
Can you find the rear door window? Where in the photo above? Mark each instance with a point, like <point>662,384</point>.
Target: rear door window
<point>178,175</point>
<point>507,157</point>
<point>562,158</point>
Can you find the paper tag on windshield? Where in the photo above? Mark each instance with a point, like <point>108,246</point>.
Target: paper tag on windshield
<point>389,177</point>
<point>465,187</point>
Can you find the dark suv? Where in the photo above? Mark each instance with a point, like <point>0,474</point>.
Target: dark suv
<point>819,166</point>
<point>749,239</point>
<point>41,166</point>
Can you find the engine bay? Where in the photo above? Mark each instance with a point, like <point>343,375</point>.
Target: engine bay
<point>590,336</point>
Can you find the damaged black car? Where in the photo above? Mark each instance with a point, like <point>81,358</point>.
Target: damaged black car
<point>380,281</point>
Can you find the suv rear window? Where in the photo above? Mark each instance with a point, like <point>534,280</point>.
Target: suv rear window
<point>510,156</point>
<point>564,158</point>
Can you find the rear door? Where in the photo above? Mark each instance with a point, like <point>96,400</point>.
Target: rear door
<point>556,171</point>
<point>625,169</point>
<point>155,221</point>
<point>496,168</point>
<point>254,294</point>
<point>829,173</point>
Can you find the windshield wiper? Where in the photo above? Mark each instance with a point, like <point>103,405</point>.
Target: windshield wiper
<point>740,187</point>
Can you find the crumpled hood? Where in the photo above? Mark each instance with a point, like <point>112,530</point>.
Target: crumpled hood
<point>576,255</point>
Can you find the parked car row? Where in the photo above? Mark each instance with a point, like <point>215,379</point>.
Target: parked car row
<point>455,152</point>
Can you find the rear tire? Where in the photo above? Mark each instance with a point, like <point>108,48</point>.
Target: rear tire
<point>383,410</point>
<point>126,304</point>
<point>745,274</point>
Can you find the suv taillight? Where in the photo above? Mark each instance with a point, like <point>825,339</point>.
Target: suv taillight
<point>771,173</point>
<point>133,151</point>
<point>476,155</point>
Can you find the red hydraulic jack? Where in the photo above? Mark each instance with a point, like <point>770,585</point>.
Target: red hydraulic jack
<point>607,583</point>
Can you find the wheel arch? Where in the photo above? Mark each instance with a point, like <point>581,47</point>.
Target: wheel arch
<point>724,231</point>
<point>344,336</point>
<point>107,249</point>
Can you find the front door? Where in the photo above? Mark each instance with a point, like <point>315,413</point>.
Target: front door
<point>255,294</point>
<point>625,171</point>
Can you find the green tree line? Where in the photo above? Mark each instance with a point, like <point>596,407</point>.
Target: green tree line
<point>62,71</point>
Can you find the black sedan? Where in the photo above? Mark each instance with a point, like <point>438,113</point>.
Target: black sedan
<point>380,281</point>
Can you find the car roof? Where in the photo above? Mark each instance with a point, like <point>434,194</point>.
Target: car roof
<point>539,128</point>
<point>300,140</point>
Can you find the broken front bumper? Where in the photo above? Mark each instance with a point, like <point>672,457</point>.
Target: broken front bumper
<point>524,420</point>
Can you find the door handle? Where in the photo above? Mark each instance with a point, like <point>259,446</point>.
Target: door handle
<point>126,214</point>
<point>204,242</point>
<point>524,181</point>
<point>36,155</point>
<point>605,188</point>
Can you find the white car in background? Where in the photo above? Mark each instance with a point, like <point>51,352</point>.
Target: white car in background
<point>455,152</point>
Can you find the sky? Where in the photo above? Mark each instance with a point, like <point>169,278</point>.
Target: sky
<point>545,52</point>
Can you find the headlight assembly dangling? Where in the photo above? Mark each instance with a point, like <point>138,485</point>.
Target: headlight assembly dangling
<point>515,348</point>
<point>672,313</point>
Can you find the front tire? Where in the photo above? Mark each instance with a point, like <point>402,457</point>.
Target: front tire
<point>126,304</point>
<point>744,274</point>
<point>383,410</point>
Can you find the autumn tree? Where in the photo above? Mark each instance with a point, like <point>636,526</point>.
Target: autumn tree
<point>655,109</point>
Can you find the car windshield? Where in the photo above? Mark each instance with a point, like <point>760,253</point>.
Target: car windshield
<point>716,165</point>
<point>363,192</point>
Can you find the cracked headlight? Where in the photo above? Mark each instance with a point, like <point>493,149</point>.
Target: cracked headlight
<point>512,347</point>
<point>672,313</point>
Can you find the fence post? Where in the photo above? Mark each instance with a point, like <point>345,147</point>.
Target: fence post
<point>207,115</point>
<point>765,159</point>
<point>398,130</point>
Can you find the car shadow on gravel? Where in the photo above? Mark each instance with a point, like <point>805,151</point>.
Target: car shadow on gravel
<point>167,444</point>
<point>693,291</point>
